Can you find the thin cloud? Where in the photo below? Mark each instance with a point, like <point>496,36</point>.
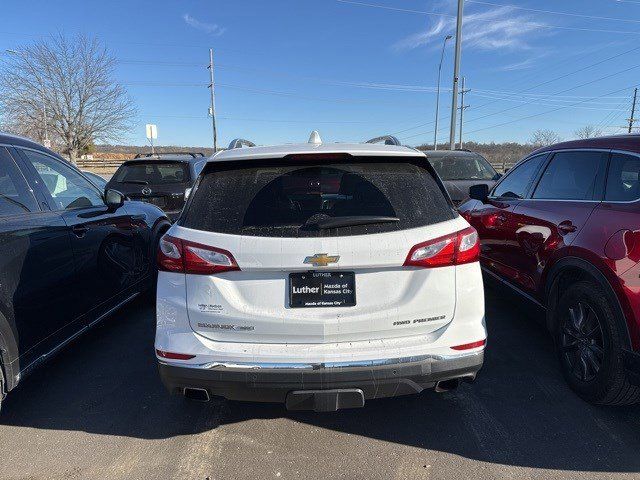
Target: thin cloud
<point>495,29</point>
<point>210,28</point>
<point>523,65</point>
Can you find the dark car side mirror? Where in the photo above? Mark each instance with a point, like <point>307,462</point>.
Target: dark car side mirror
<point>113,199</point>
<point>479,192</point>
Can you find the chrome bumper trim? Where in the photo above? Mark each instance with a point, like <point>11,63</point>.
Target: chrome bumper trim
<point>243,366</point>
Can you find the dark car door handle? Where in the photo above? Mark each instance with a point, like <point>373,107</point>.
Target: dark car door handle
<point>566,227</point>
<point>79,230</point>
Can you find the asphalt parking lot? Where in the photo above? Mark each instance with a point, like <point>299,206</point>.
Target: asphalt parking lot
<point>98,410</point>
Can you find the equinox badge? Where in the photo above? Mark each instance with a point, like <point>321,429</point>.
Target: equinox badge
<point>321,259</point>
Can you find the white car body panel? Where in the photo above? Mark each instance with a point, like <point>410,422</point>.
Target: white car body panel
<point>243,317</point>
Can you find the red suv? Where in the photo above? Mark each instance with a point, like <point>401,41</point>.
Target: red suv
<point>562,228</point>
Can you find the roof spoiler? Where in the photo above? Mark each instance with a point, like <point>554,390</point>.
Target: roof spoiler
<point>387,139</point>
<point>239,143</point>
<point>158,155</point>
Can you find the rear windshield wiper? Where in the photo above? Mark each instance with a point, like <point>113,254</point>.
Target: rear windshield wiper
<point>137,182</point>
<point>350,221</point>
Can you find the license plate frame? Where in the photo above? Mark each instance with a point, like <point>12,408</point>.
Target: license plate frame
<point>326,282</point>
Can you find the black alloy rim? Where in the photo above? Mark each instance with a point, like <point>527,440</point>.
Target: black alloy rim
<point>582,342</point>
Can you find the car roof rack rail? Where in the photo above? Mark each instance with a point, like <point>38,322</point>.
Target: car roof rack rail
<point>158,155</point>
<point>387,139</point>
<point>239,143</point>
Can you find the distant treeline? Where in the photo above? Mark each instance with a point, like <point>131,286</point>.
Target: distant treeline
<point>123,152</point>
<point>501,155</point>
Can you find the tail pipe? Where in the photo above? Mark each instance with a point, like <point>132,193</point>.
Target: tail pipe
<point>447,385</point>
<point>197,394</point>
<point>452,383</point>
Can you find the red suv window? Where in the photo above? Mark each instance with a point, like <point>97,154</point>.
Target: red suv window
<point>516,183</point>
<point>623,181</point>
<point>571,176</point>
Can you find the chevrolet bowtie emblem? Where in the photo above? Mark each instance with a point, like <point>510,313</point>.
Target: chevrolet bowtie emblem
<point>321,259</point>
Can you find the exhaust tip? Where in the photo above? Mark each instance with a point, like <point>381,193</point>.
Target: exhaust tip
<point>197,394</point>
<point>447,385</point>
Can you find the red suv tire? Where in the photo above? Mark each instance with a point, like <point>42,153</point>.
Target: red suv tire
<point>590,348</point>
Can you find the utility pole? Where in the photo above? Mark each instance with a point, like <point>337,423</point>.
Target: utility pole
<point>463,107</point>
<point>212,108</point>
<point>633,110</point>
<point>435,130</point>
<point>456,74</point>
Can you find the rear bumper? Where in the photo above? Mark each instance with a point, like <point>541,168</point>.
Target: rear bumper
<point>273,382</point>
<point>632,366</point>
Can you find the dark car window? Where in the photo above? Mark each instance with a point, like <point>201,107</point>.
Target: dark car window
<point>287,200</point>
<point>463,167</point>
<point>623,181</point>
<point>571,176</point>
<point>68,188</point>
<point>517,181</point>
<point>152,173</point>
<point>15,195</point>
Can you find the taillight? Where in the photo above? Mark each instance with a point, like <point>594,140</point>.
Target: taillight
<point>178,255</point>
<point>170,254</point>
<point>454,249</point>
<point>469,346</point>
<point>173,355</point>
<point>468,246</point>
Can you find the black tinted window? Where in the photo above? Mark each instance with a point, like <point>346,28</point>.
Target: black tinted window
<point>571,176</point>
<point>516,183</point>
<point>623,182</point>
<point>15,196</point>
<point>289,200</point>
<point>152,173</point>
<point>463,167</point>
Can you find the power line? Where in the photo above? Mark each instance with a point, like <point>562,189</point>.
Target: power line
<point>533,24</point>
<point>542,113</point>
<point>263,120</point>
<point>562,91</point>
<point>327,81</point>
<point>553,12</point>
<point>396,9</point>
<point>146,83</point>
<point>539,85</point>
<point>610,116</point>
<point>372,85</point>
<point>533,95</point>
<point>549,104</point>
<point>573,105</point>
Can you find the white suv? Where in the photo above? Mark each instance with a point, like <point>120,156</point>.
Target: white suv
<point>318,275</point>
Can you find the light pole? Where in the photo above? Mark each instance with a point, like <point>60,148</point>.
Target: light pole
<point>435,133</point>
<point>456,74</point>
<point>46,141</point>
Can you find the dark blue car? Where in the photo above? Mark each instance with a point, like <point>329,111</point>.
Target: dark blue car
<point>70,254</point>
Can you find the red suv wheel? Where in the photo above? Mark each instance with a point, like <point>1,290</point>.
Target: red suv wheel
<point>589,347</point>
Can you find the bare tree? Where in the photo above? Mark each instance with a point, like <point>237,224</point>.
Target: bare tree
<point>588,131</point>
<point>68,81</point>
<point>542,138</point>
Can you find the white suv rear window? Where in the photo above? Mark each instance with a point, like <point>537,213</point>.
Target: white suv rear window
<point>291,199</point>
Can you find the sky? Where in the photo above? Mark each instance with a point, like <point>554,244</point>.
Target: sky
<point>355,69</point>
